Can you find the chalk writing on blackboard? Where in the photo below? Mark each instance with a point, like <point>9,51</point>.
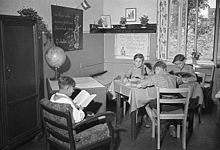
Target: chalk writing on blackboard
<point>127,45</point>
<point>67,26</point>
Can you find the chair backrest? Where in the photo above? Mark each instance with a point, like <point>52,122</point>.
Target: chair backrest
<point>173,96</point>
<point>52,87</point>
<point>208,70</point>
<point>58,122</point>
<point>201,75</point>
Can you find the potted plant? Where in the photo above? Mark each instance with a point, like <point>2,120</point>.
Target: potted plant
<point>100,22</point>
<point>42,27</point>
<point>123,22</point>
<point>195,56</point>
<point>144,20</point>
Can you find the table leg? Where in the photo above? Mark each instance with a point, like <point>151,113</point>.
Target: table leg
<point>118,109</point>
<point>133,125</point>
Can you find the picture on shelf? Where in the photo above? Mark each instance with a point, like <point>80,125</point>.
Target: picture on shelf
<point>130,14</point>
<point>106,21</point>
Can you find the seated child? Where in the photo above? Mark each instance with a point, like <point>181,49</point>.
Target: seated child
<point>148,69</point>
<point>181,66</point>
<point>137,71</point>
<point>161,79</point>
<point>66,88</point>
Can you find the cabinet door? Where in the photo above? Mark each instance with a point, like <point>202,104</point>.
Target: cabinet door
<point>21,78</point>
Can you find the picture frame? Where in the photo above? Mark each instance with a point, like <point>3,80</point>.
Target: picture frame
<point>106,21</point>
<point>130,14</point>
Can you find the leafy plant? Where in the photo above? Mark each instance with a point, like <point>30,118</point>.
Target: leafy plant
<point>123,20</point>
<point>195,54</point>
<point>100,21</point>
<point>144,19</point>
<point>42,27</point>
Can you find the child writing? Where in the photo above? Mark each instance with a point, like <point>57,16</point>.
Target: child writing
<point>66,88</point>
<point>137,71</point>
<point>181,66</point>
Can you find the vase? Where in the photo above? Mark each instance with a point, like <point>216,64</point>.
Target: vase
<point>123,26</point>
<point>143,26</point>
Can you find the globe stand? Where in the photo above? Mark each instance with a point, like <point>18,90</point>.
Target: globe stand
<point>57,74</point>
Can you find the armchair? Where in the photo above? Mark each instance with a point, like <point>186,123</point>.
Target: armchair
<point>63,133</point>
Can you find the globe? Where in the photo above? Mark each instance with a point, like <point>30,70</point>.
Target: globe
<point>55,57</point>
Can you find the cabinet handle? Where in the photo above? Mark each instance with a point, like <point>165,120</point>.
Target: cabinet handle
<point>8,73</point>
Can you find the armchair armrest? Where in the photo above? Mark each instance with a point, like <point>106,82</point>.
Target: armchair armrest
<point>94,118</point>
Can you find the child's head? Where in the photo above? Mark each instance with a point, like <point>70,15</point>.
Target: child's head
<point>138,60</point>
<point>160,67</point>
<point>179,60</point>
<point>148,67</point>
<point>66,85</point>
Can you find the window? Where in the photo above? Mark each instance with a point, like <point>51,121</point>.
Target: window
<point>180,34</point>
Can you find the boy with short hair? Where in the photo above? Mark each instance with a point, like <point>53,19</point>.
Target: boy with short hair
<point>137,70</point>
<point>66,88</point>
<point>161,79</point>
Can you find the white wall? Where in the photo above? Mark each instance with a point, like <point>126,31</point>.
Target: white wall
<point>116,8</point>
<point>43,7</point>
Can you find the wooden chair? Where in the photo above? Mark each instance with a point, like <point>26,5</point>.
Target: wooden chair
<point>62,133</point>
<point>209,71</point>
<point>179,114</point>
<point>201,79</point>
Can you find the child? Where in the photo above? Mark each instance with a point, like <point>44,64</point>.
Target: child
<point>66,88</point>
<point>181,66</point>
<point>137,71</point>
<point>148,69</point>
<point>161,79</point>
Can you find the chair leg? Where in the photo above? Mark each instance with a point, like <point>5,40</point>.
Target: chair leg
<point>124,108</point>
<point>158,134</point>
<point>199,113</point>
<point>184,135</point>
<point>153,129</point>
<point>178,131</point>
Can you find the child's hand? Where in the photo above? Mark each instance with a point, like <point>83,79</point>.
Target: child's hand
<point>125,80</point>
<point>179,80</point>
<point>81,108</point>
<point>139,86</point>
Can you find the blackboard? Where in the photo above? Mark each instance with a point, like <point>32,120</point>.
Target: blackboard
<point>67,27</point>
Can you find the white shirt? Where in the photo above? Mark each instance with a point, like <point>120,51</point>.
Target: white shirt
<point>78,115</point>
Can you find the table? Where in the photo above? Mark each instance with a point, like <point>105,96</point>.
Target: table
<point>140,97</point>
<point>137,99</point>
<point>196,91</point>
<point>89,84</point>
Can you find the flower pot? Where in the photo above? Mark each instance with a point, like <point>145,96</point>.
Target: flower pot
<point>143,26</point>
<point>123,26</point>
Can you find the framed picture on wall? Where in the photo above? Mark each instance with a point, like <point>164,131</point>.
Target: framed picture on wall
<point>131,14</point>
<point>106,21</point>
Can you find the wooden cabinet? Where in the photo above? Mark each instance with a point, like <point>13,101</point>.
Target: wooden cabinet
<point>20,80</point>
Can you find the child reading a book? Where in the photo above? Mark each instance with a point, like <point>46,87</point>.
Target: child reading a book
<point>66,88</point>
<point>137,71</point>
<point>181,67</point>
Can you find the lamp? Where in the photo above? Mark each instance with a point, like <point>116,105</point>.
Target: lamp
<point>55,58</point>
<point>85,5</point>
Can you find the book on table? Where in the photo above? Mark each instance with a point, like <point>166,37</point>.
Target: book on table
<point>182,74</point>
<point>83,98</point>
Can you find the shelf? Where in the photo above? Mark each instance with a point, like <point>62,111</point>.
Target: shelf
<point>130,28</point>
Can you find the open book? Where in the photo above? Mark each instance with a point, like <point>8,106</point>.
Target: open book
<point>182,74</point>
<point>83,98</point>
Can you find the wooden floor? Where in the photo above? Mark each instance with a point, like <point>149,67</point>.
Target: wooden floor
<point>206,136</point>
